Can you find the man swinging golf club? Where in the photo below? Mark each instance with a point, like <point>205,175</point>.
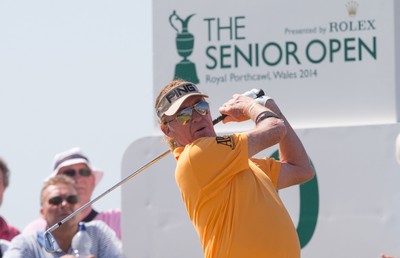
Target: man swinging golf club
<point>230,196</point>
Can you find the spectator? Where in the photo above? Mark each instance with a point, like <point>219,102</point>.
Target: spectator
<point>7,232</point>
<point>59,198</point>
<point>75,164</point>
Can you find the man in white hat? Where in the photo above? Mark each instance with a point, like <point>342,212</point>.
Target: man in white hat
<point>75,164</point>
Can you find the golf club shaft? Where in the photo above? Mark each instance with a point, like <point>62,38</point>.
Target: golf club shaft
<point>123,181</point>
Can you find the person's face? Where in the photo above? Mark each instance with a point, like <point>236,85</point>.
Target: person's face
<point>53,212</point>
<point>199,126</point>
<point>2,188</point>
<point>84,183</point>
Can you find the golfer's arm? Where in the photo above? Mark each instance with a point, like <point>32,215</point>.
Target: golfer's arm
<point>269,129</point>
<point>296,167</point>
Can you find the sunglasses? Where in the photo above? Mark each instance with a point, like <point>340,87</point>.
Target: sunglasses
<point>72,172</point>
<point>185,115</point>
<point>57,200</point>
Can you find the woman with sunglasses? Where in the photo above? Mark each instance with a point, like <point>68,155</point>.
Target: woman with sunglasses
<point>59,198</point>
<point>230,196</point>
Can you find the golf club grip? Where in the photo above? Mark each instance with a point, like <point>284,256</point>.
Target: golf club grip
<point>221,117</point>
<point>218,119</point>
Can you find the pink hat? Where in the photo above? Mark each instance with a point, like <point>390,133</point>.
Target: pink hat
<point>71,157</point>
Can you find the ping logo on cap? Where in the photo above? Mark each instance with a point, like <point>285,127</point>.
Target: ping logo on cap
<point>180,91</point>
<point>173,99</point>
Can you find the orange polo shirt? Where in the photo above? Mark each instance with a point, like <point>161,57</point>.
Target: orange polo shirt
<point>232,200</point>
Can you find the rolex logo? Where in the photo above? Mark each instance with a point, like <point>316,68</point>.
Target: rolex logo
<point>352,7</point>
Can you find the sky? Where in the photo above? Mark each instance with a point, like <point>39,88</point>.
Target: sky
<point>72,73</point>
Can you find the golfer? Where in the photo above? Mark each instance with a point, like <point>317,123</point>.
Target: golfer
<point>230,196</point>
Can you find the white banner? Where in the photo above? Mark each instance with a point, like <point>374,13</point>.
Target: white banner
<point>326,62</point>
<point>350,209</point>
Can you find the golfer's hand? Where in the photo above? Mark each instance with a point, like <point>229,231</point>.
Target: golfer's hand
<point>236,109</point>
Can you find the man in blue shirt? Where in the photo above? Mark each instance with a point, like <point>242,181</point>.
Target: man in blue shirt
<point>59,198</point>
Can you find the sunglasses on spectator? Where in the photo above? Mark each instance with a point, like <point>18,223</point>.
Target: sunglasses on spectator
<point>57,200</point>
<point>72,172</point>
<point>185,115</point>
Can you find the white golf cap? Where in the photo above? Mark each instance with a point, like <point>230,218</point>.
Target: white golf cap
<point>173,99</point>
<point>71,157</point>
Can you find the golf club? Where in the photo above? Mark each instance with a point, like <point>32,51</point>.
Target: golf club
<point>51,245</point>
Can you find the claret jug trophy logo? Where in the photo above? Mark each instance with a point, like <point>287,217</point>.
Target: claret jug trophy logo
<point>184,40</point>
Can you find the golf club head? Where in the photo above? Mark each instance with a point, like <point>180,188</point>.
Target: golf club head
<point>50,243</point>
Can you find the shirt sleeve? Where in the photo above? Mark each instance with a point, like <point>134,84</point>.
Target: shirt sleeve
<point>22,246</point>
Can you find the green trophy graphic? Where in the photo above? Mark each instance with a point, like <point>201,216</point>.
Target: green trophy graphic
<point>185,69</point>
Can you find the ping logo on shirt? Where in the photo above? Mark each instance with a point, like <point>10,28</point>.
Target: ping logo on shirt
<point>226,140</point>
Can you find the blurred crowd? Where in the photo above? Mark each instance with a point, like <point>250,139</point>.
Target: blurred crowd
<point>69,186</point>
